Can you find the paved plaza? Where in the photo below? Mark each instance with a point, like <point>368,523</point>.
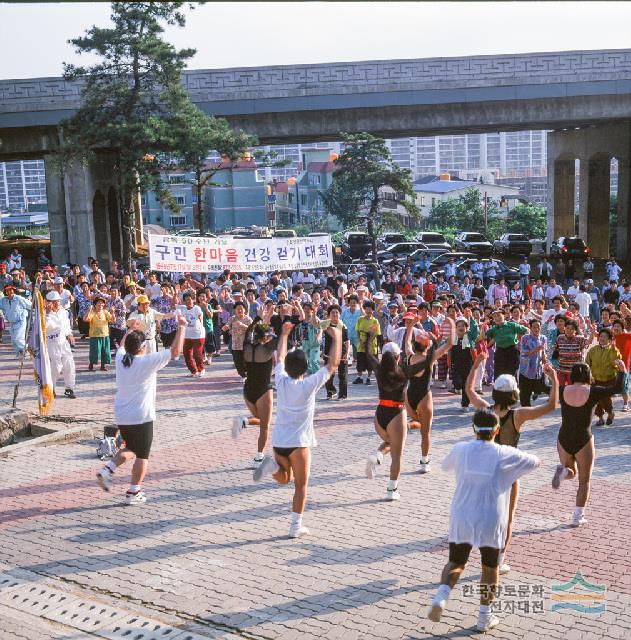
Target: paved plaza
<point>208,555</point>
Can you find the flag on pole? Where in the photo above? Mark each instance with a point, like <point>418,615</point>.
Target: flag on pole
<point>41,362</point>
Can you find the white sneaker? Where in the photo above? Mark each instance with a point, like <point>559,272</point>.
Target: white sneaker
<point>267,467</point>
<point>504,568</point>
<point>201,374</point>
<point>625,408</point>
<point>486,623</point>
<point>436,608</point>
<point>558,476</point>
<point>135,498</point>
<point>371,466</point>
<point>424,467</point>
<point>297,531</point>
<point>392,494</point>
<point>104,478</point>
<point>464,409</point>
<point>443,385</point>
<point>238,424</point>
<point>577,521</point>
<point>256,462</point>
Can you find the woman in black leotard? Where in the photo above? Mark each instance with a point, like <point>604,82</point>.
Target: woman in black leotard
<point>422,353</point>
<point>258,351</point>
<point>390,417</point>
<point>505,396</point>
<point>576,443</point>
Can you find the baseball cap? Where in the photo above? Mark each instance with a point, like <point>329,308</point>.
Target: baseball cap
<point>58,280</point>
<point>51,296</point>
<point>409,316</point>
<point>392,347</point>
<point>142,299</point>
<point>9,286</point>
<point>462,319</point>
<point>378,296</point>
<point>393,304</point>
<point>589,281</point>
<point>505,382</point>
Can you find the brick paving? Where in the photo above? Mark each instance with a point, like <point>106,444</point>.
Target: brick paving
<point>208,554</point>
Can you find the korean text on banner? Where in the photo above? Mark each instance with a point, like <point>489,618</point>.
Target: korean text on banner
<point>183,254</point>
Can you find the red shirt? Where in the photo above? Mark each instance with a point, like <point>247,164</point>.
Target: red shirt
<point>403,288</point>
<point>623,342</point>
<point>428,291</point>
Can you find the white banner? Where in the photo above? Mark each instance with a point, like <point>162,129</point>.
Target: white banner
<point>183,254</point>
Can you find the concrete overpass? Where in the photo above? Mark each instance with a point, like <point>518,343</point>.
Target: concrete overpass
<point>585,94</point>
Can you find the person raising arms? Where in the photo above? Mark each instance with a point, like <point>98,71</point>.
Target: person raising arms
<point>505,395</point>
<point>422,353</point>
<point>293,436</point>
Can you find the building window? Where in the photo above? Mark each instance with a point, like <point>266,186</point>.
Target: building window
<point>143,200</point>
<point>433,201</point>
<point>303,199</point>
<point>178,179</point>
<point>180,199</point>
<point>315,180</point>
<point>422,201</point>
<point>178,221</point>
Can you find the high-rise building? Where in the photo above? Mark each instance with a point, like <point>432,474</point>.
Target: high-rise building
<point>22,182</point>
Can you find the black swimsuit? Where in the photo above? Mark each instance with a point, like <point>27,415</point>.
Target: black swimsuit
<point>576,422</point>
<point>258,379</point>
<point>419,385</point>
<point>384,415</point>
<point>508,434</point>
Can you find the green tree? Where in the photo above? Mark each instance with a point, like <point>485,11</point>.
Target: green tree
<point>356,195</point>
<point>465,213</point>
<point>528,219</point>
<point>132,101</point>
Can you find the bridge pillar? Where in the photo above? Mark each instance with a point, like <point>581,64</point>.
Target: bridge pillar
<point>594,184</point>
<point>623,239</point>
<point>561,183</point>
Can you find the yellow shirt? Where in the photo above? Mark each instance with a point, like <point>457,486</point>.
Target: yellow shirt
<point>601,362</point>
<point>99,323</point>
<point>363,326</point>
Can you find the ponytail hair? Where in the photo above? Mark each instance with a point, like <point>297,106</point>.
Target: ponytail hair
<point>134,342</point>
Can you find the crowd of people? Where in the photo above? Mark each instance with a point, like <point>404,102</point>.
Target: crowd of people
<point>295,333</point>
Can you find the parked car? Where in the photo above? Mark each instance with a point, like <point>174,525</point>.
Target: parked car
<point>401,252</point>
<point>284,233</point>
<point>503,271</point>
<point>512,244</point>
<point>474,243</point>
<point>433,240</point>
<point>440,261</point>
<point>388,239</point>
<point>356,245</point>
<point>569,247</point>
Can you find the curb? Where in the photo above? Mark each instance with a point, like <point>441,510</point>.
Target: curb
<point>65,435</point>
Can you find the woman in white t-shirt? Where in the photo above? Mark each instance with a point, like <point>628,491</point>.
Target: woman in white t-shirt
<point>293,434</point>
<point>194,336</point>
<point>135,405</point>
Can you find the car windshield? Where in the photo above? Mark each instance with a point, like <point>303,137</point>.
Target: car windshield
<point>474,237</point>
<point>433,237</point>
<point>516,236</point>
<point>574,242</point>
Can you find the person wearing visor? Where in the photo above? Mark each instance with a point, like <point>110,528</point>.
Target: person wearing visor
<point>505,396</point>
<point>390,416</point>
<point>485,472</point>
<point>58,340</point>
<point>135,405</point>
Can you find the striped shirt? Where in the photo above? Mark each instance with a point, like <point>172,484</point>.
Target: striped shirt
<point>570,351</point>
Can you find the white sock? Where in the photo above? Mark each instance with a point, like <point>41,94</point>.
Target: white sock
<point>379,457</point>
<point>133,488</point>
<point>565,473</point>
<point>296,519</point>
<point>259,456</point>
<point>110,466</point>
<point>485,610</point>
<point>579,512</point>
<point>501,558</point>
<point>425,459</point>
<point>392,485</point>
<point>443,593</point>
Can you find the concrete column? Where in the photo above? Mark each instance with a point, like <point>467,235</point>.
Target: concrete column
<point>57,221</point>
<point>594,204</point>
<point>561,181</point>
<point>624,210</point>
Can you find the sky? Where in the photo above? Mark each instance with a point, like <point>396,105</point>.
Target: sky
<point>33,36</point>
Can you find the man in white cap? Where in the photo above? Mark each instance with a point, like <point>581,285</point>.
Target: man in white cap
<point>66,297</point>
<point>58,340</point>
<point>15,310</point>
<point>149,321</point>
